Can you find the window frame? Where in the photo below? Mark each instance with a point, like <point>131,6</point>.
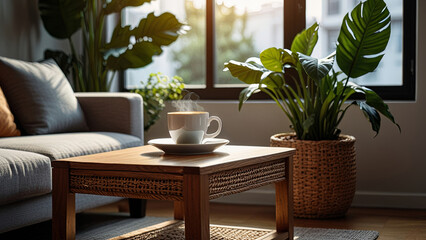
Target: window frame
<point>294,13</point>
<point>407,91</point>
<point>294,22</point>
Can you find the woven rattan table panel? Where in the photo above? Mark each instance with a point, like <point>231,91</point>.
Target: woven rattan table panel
<point>132,187</point>
<point>242,179</point>
<point>171,188</point>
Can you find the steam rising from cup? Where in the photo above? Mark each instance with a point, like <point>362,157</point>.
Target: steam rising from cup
<point>188,103</point>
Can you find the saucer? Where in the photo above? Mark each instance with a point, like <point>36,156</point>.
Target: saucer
<point>170,147</point>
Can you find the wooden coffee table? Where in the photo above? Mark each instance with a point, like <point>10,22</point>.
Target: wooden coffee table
<point>190,181</point>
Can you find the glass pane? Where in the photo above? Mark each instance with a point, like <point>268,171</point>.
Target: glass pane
<point>243,29</point>
<point>333,7</point>
<point>186,56</point>
<point>389,71</point>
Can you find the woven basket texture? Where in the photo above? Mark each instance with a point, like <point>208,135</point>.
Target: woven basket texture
<point>177,232</point>
<point>324,175</point>
<point>163,188</point>
<point>245,178</point>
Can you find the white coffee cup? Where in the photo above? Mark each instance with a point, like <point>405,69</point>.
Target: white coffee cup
<point>191,127</point>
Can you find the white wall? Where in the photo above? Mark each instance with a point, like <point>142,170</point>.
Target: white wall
<point>22,34</point>
<point>390,168</point>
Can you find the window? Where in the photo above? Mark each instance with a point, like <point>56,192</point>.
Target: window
<point>394,78</point>
<point>333,7</point>
<point>184,57</point>
<point>237,29</point>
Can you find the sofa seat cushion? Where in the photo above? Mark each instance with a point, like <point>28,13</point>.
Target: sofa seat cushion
<point>23,175</point>
<point>65,145</point>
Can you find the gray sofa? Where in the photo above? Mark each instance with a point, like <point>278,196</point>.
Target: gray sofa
<point>114,121</point>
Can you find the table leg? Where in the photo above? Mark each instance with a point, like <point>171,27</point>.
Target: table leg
<point>63,206</point>
<point>284,201</point>
<point>196,206</point>
<point>179,210</point>
<point>137,207</point>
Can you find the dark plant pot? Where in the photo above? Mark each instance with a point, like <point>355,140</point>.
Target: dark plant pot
<point>324,175</point>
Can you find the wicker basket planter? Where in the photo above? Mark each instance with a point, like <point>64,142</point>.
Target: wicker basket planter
<point>324,175</point>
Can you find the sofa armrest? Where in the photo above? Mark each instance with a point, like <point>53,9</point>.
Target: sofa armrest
<point>113,112</point>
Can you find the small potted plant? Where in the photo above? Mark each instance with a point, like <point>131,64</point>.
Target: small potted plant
<point>155,92</point>
<point>313,96</point>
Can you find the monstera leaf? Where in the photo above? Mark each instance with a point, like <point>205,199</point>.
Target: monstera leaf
<point>138,56</point>
<point>115,6</point>
<point>162,30</point>
<point>61,18</point>
<point>363,37</point>
<point>151,34</point>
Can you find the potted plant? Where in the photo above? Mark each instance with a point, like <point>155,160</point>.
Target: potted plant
<point>313,96</point>
<point>101,59</point>
<point>155,92</point>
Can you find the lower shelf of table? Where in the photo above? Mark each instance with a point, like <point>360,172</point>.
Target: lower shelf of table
<point>175,230</point>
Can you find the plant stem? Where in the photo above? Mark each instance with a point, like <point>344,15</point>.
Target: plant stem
<point>93,86</point>
<point>78,78</point>
<point>110,80</point>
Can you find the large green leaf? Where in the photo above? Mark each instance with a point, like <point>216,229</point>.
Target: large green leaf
<point>274,59</point>
<point>271,59</point>
<point>363,37</point>
<point>371,113</point>
<point>249,72</point>
<point>161,30</point>
<point>120,37</point>
<point>246,93</point>
<point>316,68</point>
<point>375,101</point>
<point>151,34</point>
<point>305,41</point>
<point>61,18</point>
<point>138,56</point>
<point>115,6</point>
<point>273,80</point>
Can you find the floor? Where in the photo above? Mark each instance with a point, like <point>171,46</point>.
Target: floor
<point>392,224</point>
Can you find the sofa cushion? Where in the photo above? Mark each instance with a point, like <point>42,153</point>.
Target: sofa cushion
<point>7,126</point>
<point>23,175</point>
<point>40,97</point>
<point>64,145</point>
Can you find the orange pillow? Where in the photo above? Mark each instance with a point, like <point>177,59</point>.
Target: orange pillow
<point>7,125</point>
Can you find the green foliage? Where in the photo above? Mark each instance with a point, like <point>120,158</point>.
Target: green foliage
<point>61,18</point>
<point>309,92</point>
<point>191,55</point>
<point>305,41</point>
<point>155,92</point>
<point>363,38</point>
<point>95,70</point>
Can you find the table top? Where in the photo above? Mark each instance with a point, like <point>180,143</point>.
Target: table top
<point>151,159</point>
